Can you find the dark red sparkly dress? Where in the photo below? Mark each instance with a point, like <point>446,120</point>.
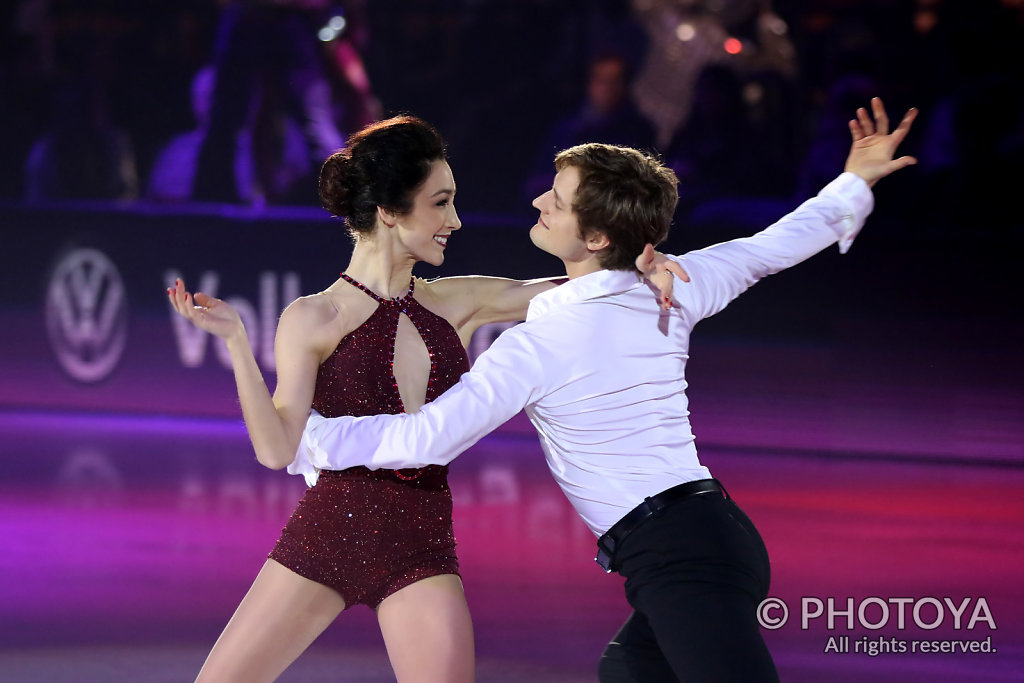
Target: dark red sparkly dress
<point>369,533</point>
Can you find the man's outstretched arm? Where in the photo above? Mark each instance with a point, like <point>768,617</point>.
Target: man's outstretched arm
<point>504,379</point>
<point>836,214</point>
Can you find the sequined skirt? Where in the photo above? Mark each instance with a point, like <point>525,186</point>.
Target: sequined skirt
<point>369,533</point>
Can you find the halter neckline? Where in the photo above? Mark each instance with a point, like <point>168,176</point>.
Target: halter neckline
<point>376,297</point>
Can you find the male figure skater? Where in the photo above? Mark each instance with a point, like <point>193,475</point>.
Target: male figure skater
<point>599,367</point>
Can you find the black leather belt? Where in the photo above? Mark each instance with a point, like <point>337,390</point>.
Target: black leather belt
<point>609,543</point>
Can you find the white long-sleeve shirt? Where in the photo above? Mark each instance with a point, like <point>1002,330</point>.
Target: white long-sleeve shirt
<point>599,368</point>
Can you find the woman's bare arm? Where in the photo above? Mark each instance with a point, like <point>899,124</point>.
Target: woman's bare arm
<point>274,423</point>
<point>468,302</point>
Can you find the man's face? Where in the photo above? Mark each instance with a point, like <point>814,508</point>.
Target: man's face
<point>558,230</point>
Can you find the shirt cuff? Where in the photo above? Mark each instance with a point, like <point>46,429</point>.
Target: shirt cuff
<point>858,201</point>
<point>309,452</point>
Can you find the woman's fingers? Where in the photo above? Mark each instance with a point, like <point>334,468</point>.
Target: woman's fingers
<point>204,300</point>
<point>181,299</point>
<point>172,295</point>
<point>677,269</point>
<point>645,259</point>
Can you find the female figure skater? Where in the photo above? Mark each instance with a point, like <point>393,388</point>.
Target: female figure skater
<point>376,341</point>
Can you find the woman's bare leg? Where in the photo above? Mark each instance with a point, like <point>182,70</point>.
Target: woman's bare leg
<point>428,632</point>
<point>276,621</point>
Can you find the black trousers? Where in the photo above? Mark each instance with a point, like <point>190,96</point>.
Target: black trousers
<point>695,574</point>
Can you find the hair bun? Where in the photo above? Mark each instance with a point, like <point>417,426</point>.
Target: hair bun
<point>339,184</point>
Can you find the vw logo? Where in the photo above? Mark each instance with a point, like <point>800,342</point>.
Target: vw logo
<point>87,314</point>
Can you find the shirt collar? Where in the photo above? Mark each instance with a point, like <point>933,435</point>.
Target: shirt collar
<point>589,286</point>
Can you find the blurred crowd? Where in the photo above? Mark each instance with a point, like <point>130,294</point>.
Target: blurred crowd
<point>240,100</point>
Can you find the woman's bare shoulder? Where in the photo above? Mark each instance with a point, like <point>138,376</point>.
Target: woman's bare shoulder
<point>318,320</point>
<point>313,310</point>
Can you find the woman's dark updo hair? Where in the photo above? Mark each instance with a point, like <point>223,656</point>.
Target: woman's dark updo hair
<point>381,165</point>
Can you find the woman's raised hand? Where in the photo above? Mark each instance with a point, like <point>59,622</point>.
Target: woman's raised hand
<point>661,271</point>
<point>205,312</point>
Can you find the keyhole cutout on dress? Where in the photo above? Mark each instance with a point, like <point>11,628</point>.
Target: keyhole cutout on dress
<point>412,365</point>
